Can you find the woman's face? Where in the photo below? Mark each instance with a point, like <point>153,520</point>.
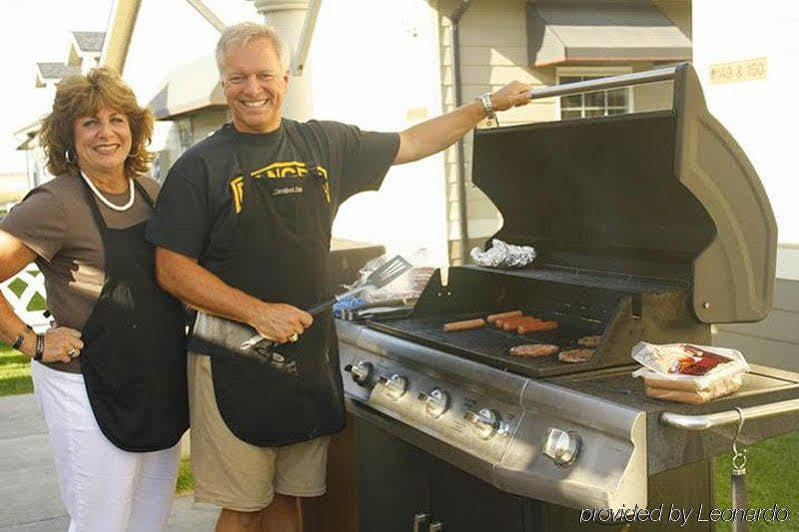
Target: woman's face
<point>102,142</point>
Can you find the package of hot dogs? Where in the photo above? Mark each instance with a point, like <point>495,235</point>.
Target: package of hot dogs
<point>689,373</point>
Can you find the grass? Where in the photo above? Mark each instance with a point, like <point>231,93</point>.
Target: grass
<point>772,477</point>
<point>185,482</point>
<point>37,302</point>
<point>15,372</point>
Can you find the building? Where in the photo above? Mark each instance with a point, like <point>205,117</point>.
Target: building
<point>83,54</point>
<point>13,187</point>
<point>539,42</point>
<point>547,42</point>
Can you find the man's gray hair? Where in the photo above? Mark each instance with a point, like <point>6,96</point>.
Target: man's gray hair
<point>240,34</point>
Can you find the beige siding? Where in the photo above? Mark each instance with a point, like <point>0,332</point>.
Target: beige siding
<point>652,96</point>
<point>493,37</point>
<point>493,47</point>
<point>679,12</point>
<point>773,341</point>
<point>200,125</point>
<point>658,96</point>
<point>206,122</point>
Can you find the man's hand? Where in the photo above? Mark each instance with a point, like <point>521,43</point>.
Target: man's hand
<point>279,321</point>
<point>182,277</point>
<point>514,94</point>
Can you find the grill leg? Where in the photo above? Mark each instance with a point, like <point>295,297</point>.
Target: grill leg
<point>686,487</point>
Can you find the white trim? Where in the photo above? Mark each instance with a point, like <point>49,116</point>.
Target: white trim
<point>788,261</point>
<point>592,71</point>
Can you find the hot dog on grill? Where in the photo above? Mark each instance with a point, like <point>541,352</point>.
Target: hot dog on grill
<point>537,326</point>
<point>510,324</point>
<point>502,315</point>
<point>527,323</point>
<point>464,325</point>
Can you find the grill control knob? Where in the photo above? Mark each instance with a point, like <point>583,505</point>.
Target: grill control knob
<point>419,521</point>
<point>360,372</point>
<point>486,423</point>
<point>395,386</point>
<point>561,446</point>
<point>436,402</point>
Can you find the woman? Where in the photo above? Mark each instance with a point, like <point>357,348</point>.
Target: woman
<point>110,373</point>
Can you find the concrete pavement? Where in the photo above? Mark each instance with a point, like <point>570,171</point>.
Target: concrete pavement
<point>29,498</point>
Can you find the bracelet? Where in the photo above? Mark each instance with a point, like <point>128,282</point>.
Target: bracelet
<point>39,347</point>
<point>488,105</point>
<point>18,342</point>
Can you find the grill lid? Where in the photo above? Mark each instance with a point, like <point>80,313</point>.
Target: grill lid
<point>666,194</point>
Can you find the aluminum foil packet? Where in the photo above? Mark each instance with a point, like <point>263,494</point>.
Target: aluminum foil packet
<point>503,255</point>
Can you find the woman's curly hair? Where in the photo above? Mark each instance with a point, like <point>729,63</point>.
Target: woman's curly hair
<point>78,96</point>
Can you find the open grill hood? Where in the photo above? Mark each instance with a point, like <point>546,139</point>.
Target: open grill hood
<point>666,196</point>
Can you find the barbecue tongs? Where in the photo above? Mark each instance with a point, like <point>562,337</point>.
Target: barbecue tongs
<point>377,279</point>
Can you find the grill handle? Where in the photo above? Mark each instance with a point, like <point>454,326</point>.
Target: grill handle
<point>599,84</point>
<point>728,417</point>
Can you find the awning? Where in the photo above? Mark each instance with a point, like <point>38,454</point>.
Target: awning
<point>563,33</point>
<point>189,88</point>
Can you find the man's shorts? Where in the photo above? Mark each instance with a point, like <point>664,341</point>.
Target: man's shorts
<point>234,474</point>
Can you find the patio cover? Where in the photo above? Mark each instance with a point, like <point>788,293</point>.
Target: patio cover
<point>561,32</point>
<point>188,88</point>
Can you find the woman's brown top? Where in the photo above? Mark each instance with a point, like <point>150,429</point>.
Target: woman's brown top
<point>56,223</point>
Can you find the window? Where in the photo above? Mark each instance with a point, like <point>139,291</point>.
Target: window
<point>600,103</point>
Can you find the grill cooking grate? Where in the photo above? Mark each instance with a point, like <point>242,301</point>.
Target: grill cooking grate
<point>489,344</point>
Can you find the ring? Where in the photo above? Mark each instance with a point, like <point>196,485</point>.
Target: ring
<point>293,337</point>
<point>72,352</point>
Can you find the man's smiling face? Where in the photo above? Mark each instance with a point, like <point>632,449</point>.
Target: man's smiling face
<point>254,83</point>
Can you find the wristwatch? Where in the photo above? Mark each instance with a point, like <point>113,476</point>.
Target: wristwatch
<point>488,106</point>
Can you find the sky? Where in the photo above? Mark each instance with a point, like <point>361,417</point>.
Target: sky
<point>35,31</point>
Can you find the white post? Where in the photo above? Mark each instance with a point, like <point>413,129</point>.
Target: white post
<point>288,17</point>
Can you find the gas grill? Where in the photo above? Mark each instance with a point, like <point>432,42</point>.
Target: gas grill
<point>648,227</point>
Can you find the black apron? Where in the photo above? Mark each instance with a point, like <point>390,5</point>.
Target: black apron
<point>280,255</point>
<point>134,355</point>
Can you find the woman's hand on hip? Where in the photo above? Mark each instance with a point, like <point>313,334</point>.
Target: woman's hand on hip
<point>61,344</point>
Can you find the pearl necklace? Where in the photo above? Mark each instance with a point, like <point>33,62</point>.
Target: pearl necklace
<point>105,201</point>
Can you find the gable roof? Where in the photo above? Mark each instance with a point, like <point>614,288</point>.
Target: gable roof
<point>89,41</point>
<point>50,71</point>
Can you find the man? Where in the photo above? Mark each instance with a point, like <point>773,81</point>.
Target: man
<point>243,232</point>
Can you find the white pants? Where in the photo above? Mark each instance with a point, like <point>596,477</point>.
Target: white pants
<point>104,488</point>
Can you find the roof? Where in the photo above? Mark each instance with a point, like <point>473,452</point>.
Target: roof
<point>89,41</point>
<point>562,32</point>
<point>56,70</point>
<point>189,88</point>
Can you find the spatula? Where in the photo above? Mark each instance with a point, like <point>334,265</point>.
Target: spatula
<point>379,278</point>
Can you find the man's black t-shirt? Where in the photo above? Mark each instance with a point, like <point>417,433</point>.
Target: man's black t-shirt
<point>195,214</point>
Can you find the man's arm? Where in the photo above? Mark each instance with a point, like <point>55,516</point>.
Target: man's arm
<point>438,133</point>
<point>182,277</point>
